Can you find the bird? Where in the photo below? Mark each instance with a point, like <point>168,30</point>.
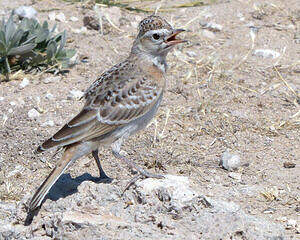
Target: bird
<point>119,103</point>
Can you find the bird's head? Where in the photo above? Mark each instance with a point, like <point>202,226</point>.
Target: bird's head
<point>156,37</point>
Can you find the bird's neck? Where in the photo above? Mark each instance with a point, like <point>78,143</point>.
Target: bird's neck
<point>147,58</point>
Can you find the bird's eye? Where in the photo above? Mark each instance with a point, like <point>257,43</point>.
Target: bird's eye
<point>155,36</point>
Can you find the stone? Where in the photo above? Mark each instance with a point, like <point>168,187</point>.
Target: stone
<point>74,19</point>
<point>48,123</point>
<point>49,96</point>
<point>25,12</point>
<point>60,17</point>
<point>24,83</point>
<point>191,54</point>
<point>236,176</point>
<point>230,161</point>
<point>51,79</point>
<point>208,34</point>
<point>75,94</point>
<point>33,113</point>
<point>266,53</point>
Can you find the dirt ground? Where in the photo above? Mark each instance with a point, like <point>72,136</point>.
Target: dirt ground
<point>221,96</point>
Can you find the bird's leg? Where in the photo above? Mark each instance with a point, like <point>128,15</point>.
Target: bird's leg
<point>116,146</point>
<point>101,171</point>
<point>132,165</point>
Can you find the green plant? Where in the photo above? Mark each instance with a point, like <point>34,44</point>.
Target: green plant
<point>31,46</point>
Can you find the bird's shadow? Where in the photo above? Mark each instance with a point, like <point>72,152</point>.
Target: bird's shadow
<point>65,186</point>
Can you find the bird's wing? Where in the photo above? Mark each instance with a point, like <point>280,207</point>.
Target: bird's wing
<point>119,96</point>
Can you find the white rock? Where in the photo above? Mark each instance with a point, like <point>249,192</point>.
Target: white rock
<point>51,79</point>
<point>208,34</point>
<point>81,30</point>
<point>33,114</point>
<point>1,98</point>
<point>191,53</point>
<point>236,176</point>
<point>12,103</point>
<point>230,161</point>
<point>73,19</point>
<point>60,17</point>
<point>75,94</point>
<point>212,26</point>
<point>24,83</point>
<point>52,16</point>
<point>49,96</point>
<point>266,53</point>
<point>291,223</point>
<point>17,170</point>
<point>177,186</point>
<point>48,123</point>
<point>10,110</point>
<point>25,12</point>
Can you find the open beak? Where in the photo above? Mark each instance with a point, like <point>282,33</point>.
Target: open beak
<point>171,40</point>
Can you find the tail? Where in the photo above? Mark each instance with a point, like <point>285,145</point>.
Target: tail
<point>69,156</point>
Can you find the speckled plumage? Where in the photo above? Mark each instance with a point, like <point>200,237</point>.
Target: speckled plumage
<point>122,101</point>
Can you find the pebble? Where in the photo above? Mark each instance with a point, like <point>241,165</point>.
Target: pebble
<point>230,161</point>
<point>12,103</point>
<point>266,53</point>
<point>49,96</point>
<point>32,113</point>
<point>291,223</point>
<point>25,12</point>
<point>75,94</point>
<point>208,34</point>
<point>212,26</point>
<point>17,170</point>
<point>61,17</point>
<point>80,30</point>
<point>191,53</point>
<point>236,176</point>
<point>24,83</point>
<point>1,98</point>
<point>48,123</point>
<point>74,19</point>
<point>51,79</point>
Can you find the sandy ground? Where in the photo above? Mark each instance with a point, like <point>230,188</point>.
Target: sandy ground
<point>221,96</point>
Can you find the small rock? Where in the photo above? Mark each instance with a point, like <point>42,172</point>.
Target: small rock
<point>14,172</point>
<point>12,103</point>
<point>10,110</point>
<point>80,30</point>
<point>269,211</point>
<point>51,79</point>
<point>230,161</point>
<point>75,94</point>
<point>212,26</point>
<point>236,176</point>
<point>49,96</point>
<point>289,165</point>
<point>25,12</point>
<point>52,16</point>
<point>1,98</point>
<point>266,53</point>
<point>24,83</point>
<point>74,19</point>
<point>191,54</point>
<point>33,114</point>
<point>208,34</point>
<point>48,123</point>
<point>171,188</point>
<point>291,223</point>
<point>60,17</point>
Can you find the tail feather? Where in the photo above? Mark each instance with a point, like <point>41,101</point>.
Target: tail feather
<point>68,157</point>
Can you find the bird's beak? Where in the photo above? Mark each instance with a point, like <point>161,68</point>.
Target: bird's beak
<point>171,40</point>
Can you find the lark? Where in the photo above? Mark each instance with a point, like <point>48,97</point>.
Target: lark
<point>122,101</point>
